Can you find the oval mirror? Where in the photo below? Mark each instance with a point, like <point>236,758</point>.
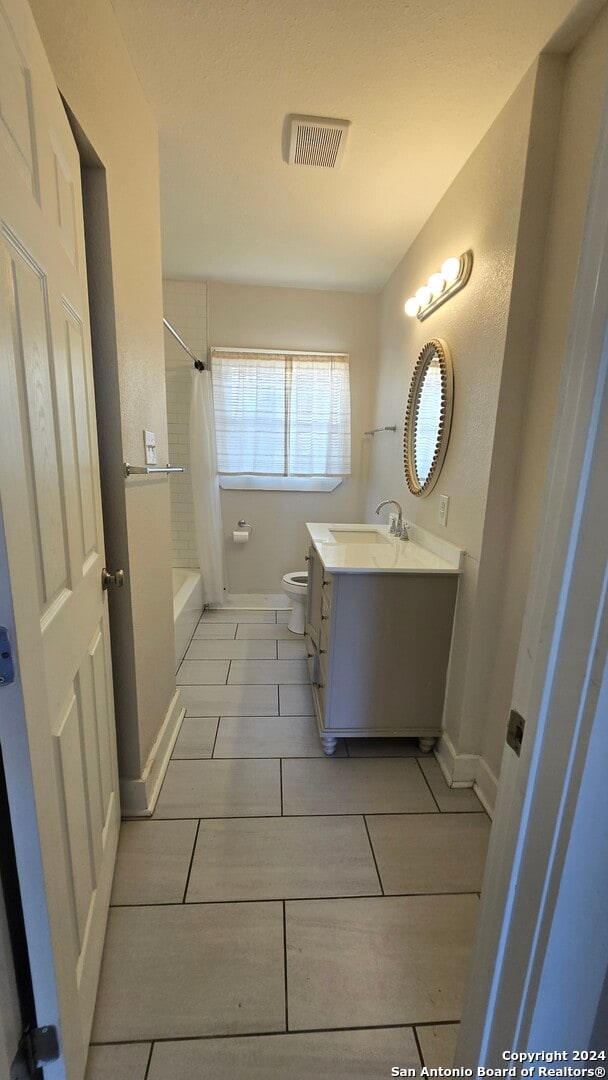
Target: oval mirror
<point>428,417</point>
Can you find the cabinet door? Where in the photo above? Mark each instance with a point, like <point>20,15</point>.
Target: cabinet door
<point>314,595</point>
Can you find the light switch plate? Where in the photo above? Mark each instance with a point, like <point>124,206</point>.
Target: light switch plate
<point>444,505</point>
<point>150,447</point>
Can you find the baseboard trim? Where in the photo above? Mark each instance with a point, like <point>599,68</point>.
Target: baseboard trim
<point>486,787</point>
<point>138,796</point>
<point>460,770</point>
<point>466,771</point>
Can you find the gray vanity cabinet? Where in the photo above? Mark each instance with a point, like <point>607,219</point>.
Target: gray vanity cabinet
<point>378,646</point>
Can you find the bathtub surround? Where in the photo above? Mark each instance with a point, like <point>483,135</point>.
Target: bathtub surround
<point>205,486</point>
<point>98,81</point>
<point>185,306</point>
<point>183,541</point>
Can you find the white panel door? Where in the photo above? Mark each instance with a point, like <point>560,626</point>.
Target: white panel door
<point>51,508</point>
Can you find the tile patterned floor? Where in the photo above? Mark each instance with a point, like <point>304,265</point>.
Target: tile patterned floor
<point>283,915</point>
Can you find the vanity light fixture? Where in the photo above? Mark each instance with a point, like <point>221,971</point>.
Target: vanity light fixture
<point>453,276</point>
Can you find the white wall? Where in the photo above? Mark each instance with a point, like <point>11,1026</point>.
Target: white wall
<point>497,206</point>
<point>586,79</point>
<point>256,317</point>
<point>519,203</point>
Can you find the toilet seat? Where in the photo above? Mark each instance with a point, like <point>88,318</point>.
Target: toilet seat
<point>297,579</point>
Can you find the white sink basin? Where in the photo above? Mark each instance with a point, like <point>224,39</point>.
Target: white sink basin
<point>355,548</point>
<point>358,536</point>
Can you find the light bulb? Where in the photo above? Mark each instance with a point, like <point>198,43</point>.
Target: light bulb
<point>436,284</point>
<point>450,270</point>
<point>412,307</point>
<point>424,296</point>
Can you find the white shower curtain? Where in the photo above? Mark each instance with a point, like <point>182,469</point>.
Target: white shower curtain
<point>205,487</point>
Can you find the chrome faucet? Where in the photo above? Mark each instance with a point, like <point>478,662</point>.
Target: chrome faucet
<point>397,528</point>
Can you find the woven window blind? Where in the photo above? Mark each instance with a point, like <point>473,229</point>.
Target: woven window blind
<point>281,414</point>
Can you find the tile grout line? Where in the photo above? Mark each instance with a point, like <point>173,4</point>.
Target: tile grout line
<point>285,967</point>
<point>435,1023</point>
<point>271,1034</point>
<point>307,757</point>
<point>424,776</point>
<point>243,684</point>
<point>147,1072</point>
<point>307,813</point>
<point>217,731</point>
<point>418,1046</point>
<point>380,882</point>
<point>198,827</point>
<point>281,782</point>
<point>294,900</point>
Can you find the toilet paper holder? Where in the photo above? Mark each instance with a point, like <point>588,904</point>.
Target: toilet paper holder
<point>242,524</point>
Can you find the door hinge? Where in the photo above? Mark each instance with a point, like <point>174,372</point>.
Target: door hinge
<point>7,670</point>
<point>36,1047</point>
<point>515,731</point>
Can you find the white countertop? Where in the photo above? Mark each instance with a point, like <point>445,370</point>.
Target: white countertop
<point>423,553</point>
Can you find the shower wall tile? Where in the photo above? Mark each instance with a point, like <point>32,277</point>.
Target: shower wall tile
<point>185,304</point>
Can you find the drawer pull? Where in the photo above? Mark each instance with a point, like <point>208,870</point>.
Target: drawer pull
<point>326,583</point>
<point>324,617</point>
<point>307,558</point>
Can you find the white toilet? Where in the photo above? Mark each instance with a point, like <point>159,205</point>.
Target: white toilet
<point>295,585</point>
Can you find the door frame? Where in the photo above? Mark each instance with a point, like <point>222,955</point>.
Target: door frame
<point>552,796</point>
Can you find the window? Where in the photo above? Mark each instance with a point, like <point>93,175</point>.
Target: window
<point>281,415</point>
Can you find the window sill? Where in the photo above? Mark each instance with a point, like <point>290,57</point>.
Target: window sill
<point>279,483</point>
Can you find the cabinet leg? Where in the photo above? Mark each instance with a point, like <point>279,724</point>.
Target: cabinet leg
<point>426,745</point>
<point>329,744</point>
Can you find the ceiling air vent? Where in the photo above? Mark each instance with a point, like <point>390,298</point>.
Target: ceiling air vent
<point>317,140</point>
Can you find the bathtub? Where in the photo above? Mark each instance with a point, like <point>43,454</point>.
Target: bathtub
<point>188,600</point>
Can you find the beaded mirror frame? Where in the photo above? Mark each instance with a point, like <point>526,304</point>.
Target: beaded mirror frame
<point>438,350</point>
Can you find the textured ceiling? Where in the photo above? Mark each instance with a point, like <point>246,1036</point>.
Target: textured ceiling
<point>421,83</point>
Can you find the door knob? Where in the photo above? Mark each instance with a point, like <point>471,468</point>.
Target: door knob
<point>107,579</point>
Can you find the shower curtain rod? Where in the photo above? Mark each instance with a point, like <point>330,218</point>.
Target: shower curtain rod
<point>199,365</point>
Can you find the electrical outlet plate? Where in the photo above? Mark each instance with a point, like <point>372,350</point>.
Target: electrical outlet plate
<point>444,505</point>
